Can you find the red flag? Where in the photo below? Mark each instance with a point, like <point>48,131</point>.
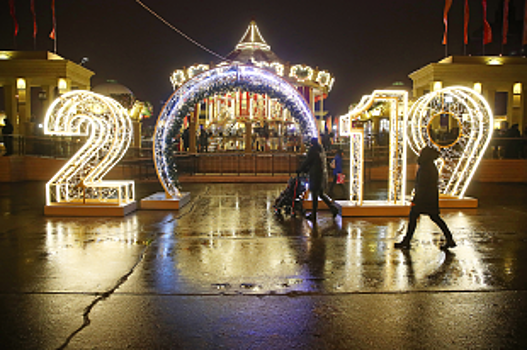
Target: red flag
<point>467,17</point>
<point>448,3</point>
<point>52,34</point>
<point>487,30</point>
<point>13,14</point>
<point>505,21</point>
<point>34,18</point>
<point>525,25</point>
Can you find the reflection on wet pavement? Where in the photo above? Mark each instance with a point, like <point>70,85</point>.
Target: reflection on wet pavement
<point>227,240</point>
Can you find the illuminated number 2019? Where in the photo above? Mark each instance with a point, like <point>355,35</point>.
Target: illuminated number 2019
<point>109,131</point>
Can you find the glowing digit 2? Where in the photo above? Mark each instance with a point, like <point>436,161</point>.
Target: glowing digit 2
<point>109,131</point>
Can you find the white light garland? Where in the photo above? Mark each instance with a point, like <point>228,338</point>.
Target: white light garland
<point>109,130</point>
<point>252,78</point>
<point>177,78</point>
<point>301,72</point>
<point>397,142</point>
<point>461,158</point>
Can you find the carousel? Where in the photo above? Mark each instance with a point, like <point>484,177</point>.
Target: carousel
<point>244,121</point>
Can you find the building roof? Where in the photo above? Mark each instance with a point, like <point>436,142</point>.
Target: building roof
<point>111,87</point>
<point>253,47</point>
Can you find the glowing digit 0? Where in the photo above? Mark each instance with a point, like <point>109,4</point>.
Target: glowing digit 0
<point>109,131</point>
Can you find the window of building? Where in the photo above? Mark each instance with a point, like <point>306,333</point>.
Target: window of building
<point>501,99</point>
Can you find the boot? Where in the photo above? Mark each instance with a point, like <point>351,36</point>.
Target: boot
<point>449,244</point>
<point>404,244</point>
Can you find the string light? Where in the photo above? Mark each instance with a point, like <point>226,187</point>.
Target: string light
<point>461,157</point>
<point>109,132</point>
<point>397,138</point>
<point>220,80</point>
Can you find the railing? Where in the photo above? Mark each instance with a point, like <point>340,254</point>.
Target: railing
<point>139,162</point>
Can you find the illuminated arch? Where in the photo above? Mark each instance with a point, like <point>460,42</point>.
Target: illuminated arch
<point>216,81</point>
<point>460,159</point>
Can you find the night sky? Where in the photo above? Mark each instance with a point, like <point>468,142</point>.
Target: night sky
<point>364,44</point>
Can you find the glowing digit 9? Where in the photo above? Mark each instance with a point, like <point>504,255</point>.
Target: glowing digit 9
<point>458,122</point>
<point>109,131</point>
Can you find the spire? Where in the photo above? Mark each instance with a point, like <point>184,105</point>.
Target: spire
<point>252,39</point>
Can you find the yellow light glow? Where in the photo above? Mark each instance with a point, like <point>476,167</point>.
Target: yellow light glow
<point>461,158</point>
<point>21,84</point>
<point>495,61</point>
<point>478,88</point>
<point>197,69</point>
<point>301,72</point>
<point>438,85</point>
<point>177,78</point>
<point>356,165</point>
<point>109,132</point>
<point>398,100</point>
<point>517,89</point>
<point>62,85</point>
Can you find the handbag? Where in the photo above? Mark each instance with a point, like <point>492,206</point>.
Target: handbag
<point>341,178</point>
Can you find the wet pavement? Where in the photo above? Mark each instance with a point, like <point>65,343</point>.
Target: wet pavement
<point>224,272</point>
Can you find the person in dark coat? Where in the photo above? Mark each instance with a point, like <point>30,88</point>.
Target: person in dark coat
<point>315,165</point>
<point>426,198</point>
<point>7,132</point>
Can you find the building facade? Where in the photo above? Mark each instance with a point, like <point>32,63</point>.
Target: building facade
<point>501,80</point>
<point>31,80</point>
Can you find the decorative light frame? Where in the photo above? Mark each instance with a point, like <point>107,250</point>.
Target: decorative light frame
<point>324,78</point>
<point>109,130</point>
<point>461,159</point>
<point>397,140</point>
<point>196,69</point>
<point>300,67</point>
<point>214,81</point>
<point>177,78</point>
<point>356,166</point>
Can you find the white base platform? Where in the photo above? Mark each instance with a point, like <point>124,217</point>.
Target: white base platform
<point>159,201</point>
<point>456,203</point>
<point>90,209</point>
<point>373,208</point>
<point>382,208</point>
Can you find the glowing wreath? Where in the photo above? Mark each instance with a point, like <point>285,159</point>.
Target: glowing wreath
<point>462,154</point>
<point>109,130</point>
<point>219,81</point>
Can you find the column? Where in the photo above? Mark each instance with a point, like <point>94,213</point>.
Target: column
<point>11,109</point>
<point>248,137</point>
<point>192,128</point>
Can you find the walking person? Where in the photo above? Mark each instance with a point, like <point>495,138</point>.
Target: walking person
<point>7,135</point>
<point>315,165</point>
<point>338,175</point>
<point>426,199</point>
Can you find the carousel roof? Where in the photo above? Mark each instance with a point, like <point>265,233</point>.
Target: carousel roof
<point>252,47</point>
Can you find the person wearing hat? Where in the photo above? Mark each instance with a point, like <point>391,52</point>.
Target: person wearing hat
<point>426,198</point>
<point>315,166</point>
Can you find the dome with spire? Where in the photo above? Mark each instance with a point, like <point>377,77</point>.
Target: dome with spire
<point>252,47</point>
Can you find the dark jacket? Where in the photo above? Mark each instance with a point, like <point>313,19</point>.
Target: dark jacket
<point>426,196</point>
<point>314,164</point>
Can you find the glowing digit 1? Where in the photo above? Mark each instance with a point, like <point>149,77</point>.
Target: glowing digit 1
<point>109,131</point>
